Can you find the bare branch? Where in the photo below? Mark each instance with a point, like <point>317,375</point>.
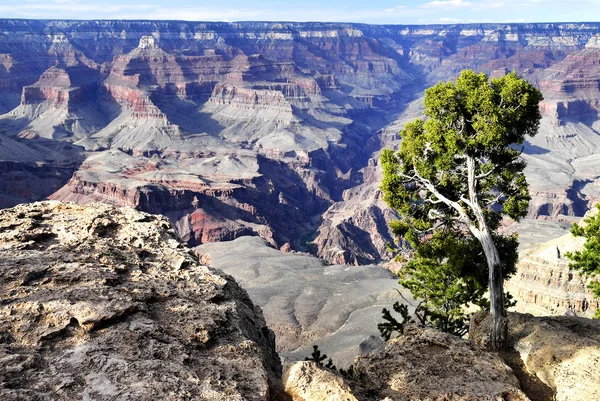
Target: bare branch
<point>433,202</point>
<point>496,199</point>
<point>484,175</point>
<point>404,298</point>
<point>464,218</point>
<point>428,231</point>
<point>466,201</point>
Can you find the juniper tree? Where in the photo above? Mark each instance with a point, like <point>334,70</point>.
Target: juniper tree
<point>317,357</point>
<point>461,168</point>
<point>447,271</point>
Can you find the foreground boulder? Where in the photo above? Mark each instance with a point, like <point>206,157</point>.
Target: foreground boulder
<point>106,304</point>
<point>562,351</point>
<point>306,381</point>
<point>422,364</point>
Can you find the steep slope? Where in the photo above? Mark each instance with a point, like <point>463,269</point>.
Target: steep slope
<point>304,299</point>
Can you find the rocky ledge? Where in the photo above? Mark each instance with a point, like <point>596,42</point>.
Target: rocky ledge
<point>550,358</point>
<point>106,304</point>
<point>563,352</point>
<point>422,364</point>
<point>545,284</point>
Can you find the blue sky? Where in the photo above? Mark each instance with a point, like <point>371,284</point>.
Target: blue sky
<point>368,11</point>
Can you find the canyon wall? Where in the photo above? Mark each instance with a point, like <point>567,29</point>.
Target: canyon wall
<point>271,129</point>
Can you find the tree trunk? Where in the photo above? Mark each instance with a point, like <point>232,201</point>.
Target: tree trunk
<point>499,329</point>
<point>499,326</point>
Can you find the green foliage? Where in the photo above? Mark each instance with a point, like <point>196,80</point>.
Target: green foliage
<point>348,373</point>
<point>391,325</point>
<point>588,259</point>
<point>455,176</point>
<point>449,271</point>
<point>318,358</point>
<point>472,118</point>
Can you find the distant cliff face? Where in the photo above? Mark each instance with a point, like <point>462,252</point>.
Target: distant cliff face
<point>268,129</point>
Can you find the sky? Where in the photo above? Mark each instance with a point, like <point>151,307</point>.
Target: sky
<point>365,11</point>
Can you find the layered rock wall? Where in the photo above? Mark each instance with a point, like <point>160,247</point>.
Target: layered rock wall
<point>309,103</point>
<point>545,284</point>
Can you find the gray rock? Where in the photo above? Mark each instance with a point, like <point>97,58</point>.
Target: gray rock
<point>370,344</point>
<point>107,304</point>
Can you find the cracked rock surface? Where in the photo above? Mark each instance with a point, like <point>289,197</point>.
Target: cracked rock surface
<point>106,304</point>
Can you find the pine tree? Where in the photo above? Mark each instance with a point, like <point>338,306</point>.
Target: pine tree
<point>318,358</point>
<point>448,271</point>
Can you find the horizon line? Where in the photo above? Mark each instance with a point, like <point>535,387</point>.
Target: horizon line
<point>293,22</point>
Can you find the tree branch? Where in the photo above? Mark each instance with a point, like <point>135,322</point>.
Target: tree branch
<point>481,176</point>
<point>433,202</point>
<point>495,200</point>
<point>473,198</point>
<point>467,202</point>
<point>450,203</point>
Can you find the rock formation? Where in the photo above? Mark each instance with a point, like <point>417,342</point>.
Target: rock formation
<point>306,381</point>
<point>545,284</point>
<point>563,352</point>
<point>105,303</point>
<point>234,129</point>
<point>355,230</point>
<point>422,364</point>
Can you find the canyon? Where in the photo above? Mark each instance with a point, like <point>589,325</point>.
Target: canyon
<point>271,129</point>
<point>259,143</point>
<point>107,303</point>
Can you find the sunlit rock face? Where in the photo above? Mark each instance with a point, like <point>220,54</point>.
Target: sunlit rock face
<point>270,129</point>
<point>545,284</point>
<point>562,351</point>
<point>99,302</point>
<point>421,364</point>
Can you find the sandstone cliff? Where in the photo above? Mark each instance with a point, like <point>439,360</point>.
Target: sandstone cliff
<point>545,284</point>
<point>104,303</point>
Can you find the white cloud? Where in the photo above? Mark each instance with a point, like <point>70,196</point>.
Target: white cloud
<point>431,11</point>
<point>391,10</point>
<point>88,9</point>
<point>70,9</point>
<point>447,4</point>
